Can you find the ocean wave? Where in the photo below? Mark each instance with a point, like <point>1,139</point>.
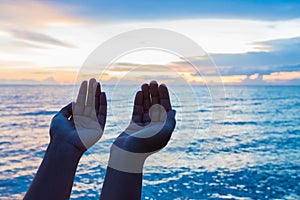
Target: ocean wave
<point>255,155</point>
<point>203,110</point>
<point>239,123</point>
<point>41,112</point>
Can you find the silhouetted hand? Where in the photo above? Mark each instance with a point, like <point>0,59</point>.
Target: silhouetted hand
<point>150,129</point>
<point>74,129</point>
<point>81,123</point>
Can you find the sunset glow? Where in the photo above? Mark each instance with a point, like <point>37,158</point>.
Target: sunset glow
<point>52,47</point>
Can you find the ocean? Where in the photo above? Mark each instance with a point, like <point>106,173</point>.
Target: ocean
<point>245,145</point>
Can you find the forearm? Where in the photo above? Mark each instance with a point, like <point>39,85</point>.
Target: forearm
<point>124,175</point>
<point>121,185</point>
<point>55,176</point>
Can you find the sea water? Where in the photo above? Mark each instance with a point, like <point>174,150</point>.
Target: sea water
<point>241,145</point>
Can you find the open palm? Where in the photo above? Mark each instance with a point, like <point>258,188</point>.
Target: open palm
<point>153,121</point>
<point>81,123</point>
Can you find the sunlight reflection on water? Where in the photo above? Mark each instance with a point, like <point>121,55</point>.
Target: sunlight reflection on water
<point>254,155</point>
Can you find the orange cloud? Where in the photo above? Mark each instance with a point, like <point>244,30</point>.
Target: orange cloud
<point>36,14</point>
<point>15,74</point>
<point>281,76</point>
<point>216,80</point>
<point>254,76</point>
<point>130,73</point>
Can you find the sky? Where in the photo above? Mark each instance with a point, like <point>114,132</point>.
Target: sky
<point>249,42</point>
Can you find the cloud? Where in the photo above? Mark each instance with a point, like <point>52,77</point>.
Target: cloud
<point>244,50</point>
<point>283,56</point>
<point>47,81</point>
<point>126,67</point>
<point>137,80</point>
<point>17,75</point>
<point>254,79</point>
<point>37,14</point>
<point>15,64</point>
<point>281,76</point>
<point>254,76</point>
<point>283,44</point>
<point>279,64</point>
<point>39,38</point>
<point>25,45</point>
<point>150,68</point>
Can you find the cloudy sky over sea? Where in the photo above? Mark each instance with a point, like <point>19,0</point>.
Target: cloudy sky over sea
<point>251,42</point>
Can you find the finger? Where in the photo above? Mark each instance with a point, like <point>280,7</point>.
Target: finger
<point>164,97</point>
<point>154,92</point>
<point>80,101</point>
<point>91,93</point>
<point>97,98</point>
<point>171,121</point>
<point>146,97</point>
<point>146,103</point>
<point>137,115</point>
<point>102,110</point>
<point>103,104</point>
<point>66,111</point>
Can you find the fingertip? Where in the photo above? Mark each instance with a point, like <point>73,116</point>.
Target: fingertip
<point>138,98</point>
<point>83,85</point>
<point>145,89</point>
<point>163,86</point>
<point>163,91</point>
<point>154,93</point>
<point>84,82</point>
<point>164,97</point>
<point>81,97</point>
<point>154,82</point>
<point>144,85</point>
<point>153,86</point>
<point>92,80</point>
<point>139,95</point>
<point>98,89</point>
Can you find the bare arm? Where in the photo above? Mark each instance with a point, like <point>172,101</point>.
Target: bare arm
<point>73,130</point>
<point>153,122</point>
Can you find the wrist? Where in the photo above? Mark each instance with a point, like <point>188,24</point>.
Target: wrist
<point>126,161</point>
<point>64,149</point>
